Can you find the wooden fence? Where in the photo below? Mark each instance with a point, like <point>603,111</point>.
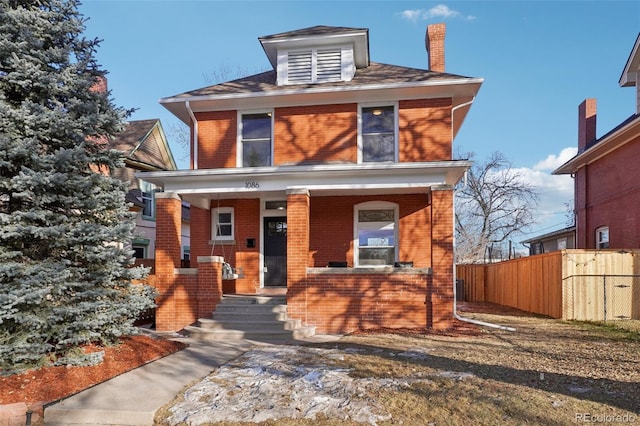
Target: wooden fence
<point>543,283</point>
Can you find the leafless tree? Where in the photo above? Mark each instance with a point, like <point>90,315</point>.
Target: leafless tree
<point>493,204</point>
<point>177,130</point>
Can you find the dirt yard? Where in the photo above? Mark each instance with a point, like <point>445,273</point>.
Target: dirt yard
<point>546,372</point>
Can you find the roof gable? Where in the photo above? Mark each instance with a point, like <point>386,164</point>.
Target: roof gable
<point>145,146</point>
<point>629,75</point>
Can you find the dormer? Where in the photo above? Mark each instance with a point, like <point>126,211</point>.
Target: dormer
<point>317,54</point>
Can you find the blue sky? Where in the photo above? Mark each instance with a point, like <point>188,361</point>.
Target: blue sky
<point>539,59</point>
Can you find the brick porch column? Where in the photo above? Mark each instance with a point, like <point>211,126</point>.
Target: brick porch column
<point>168,228</point>
<point>440,291</point>
<point>297,250</point>
<point>209,284</point>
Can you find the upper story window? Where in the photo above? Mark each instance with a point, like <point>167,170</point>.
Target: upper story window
<point>315,65</point>
<point>255,139</point>
<point>148,191</point>
<point>378,134</point>
<point>222,226</point>
<point>376,225</point>
<point>602,237</point>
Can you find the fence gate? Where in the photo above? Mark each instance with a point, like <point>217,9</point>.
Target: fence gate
<point>621,290</point>
<point>601,297</point>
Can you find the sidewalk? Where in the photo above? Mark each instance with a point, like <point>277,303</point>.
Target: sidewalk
<point>134,397</point>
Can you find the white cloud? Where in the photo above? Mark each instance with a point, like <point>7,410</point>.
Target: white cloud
<point>412,15</point>
<point>553,161</point>
<point>555,193</point>
<point>439,11</point>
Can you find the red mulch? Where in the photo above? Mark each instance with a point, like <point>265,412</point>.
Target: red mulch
<point>49,384</point>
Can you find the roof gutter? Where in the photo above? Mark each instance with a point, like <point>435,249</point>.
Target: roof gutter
<point>455,298</point>
<point>187,105</point>
<point>453,110</point>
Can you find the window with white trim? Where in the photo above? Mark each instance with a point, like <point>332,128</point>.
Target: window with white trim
<point>378,133</point>
<point>255,139</point>
<point>602,237</point>
<point>147,193</point>
<point>376,225</point>
<point>222,223</point>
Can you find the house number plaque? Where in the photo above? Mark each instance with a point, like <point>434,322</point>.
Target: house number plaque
<point>251,184</point>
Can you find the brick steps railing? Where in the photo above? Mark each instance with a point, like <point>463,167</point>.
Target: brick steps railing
<point>259,317</point>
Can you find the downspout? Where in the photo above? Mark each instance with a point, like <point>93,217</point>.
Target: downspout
<point>195,134</point>
<point>455,296</point>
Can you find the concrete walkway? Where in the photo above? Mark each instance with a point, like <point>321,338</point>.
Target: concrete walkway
<point>134,397</point>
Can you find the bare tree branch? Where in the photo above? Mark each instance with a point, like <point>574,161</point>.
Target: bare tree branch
<point>493,206</point>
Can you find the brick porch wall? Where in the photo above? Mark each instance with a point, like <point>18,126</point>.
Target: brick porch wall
<point>344,302</point>
<point>440,291</point>
<point>184,294</point>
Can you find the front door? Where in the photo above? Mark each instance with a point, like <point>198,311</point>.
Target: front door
<point>275,251</point>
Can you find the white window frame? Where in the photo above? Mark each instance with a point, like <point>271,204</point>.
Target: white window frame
<point>239,144</point>
<point>214,224</point>
<point>374,205</point>
<point>360,140</point>
<point>601,242</point>
<point>143,247</point>
<point>150,189</point>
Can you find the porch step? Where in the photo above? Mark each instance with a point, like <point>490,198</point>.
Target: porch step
<point>252,317</point>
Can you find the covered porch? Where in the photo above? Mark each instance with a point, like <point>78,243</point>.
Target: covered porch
<point>329,280</point>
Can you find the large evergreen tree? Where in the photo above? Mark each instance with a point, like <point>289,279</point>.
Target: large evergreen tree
<point>65,276</point>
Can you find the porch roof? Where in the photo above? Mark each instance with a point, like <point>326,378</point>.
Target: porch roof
<point>199,187</point>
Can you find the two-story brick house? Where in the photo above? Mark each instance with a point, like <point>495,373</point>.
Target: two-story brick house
<point>605,171</point>
<point>329,178</point>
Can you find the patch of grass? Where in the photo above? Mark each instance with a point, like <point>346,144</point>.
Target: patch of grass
<point>615,330</point>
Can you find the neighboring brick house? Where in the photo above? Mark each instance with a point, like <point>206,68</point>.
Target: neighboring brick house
<point>145,148</point>
<point>606,174</point>
<point>329,178</point>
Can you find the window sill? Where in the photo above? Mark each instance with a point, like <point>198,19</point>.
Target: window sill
<point>222,242</point>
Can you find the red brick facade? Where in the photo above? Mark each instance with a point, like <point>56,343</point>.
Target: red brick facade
<point>608,195</point>
<point>325,172</point>
<point>607,190</point>
<point>315,134</point>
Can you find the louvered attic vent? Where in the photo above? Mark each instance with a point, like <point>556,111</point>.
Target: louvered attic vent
<point>299,67</point>
<point>315,66</point>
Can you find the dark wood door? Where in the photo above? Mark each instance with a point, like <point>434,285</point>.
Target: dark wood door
<point>275,251</point>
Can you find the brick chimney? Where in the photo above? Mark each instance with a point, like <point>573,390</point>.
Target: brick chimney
<point>586,123</point>
<point>100,85</point>
<point>434,42</point>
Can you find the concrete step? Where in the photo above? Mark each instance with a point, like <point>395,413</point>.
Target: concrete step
<point>234,315</point>
<point>252,317</point>
<point>204,334</point>
<point>259,309</point>
<point>249,325</point>
<point>241,299</point>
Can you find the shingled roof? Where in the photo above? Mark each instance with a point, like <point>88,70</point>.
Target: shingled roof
<point>318,30</point>
<point>374,74</point>
<point>139,145</point>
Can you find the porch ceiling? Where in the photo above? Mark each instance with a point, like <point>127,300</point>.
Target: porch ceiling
<point>199,187</point>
